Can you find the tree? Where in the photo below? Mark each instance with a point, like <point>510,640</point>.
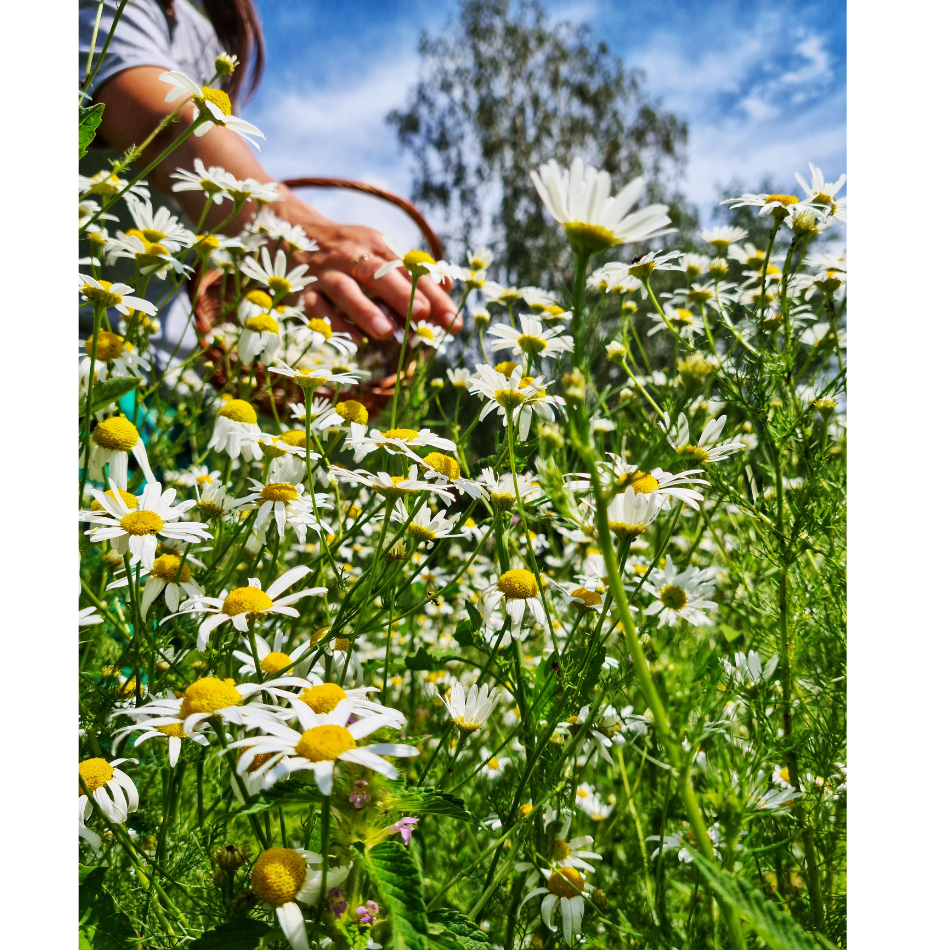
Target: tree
<point>503,90</point>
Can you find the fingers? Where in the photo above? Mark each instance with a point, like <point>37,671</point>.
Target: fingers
<point>317,306</point>
<point>343,291</point>
<point>431,303</point>
<point>442,309</point>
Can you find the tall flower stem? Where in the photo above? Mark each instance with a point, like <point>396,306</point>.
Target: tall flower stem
<point>404,346</point>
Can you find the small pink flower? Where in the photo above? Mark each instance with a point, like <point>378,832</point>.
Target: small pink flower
<point>359,794</point>
<point>404,827</point>
<point>337,903</point>
<point>367,913</point>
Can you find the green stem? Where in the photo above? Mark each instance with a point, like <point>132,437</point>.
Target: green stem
<point>404,346</point>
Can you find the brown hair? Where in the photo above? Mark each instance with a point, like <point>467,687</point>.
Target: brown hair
<point>237,27</point>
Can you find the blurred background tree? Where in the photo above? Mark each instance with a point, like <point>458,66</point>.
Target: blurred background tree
<point>504,89</point>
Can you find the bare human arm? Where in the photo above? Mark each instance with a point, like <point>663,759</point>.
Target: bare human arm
<point>135,104</point>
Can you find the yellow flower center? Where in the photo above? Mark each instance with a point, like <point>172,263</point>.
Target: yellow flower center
<point>278,875</point>
<point>509,398</point>
<point>128,499</point>
<point>534,345</point>
<point>785,775</point>
<point>101,296</point>
<point>325,743</point>
<point>535,396</point>
<point>404,435</point>
<point>420,533</point>
<point>493,763</point>
<point>261,298</point>
<point>589,597</point>
<point>218,98</point>
<point>322,698</point>
<point>699,296</point>
<point>239,411</point>
<point>209,241</point>
<point>175,730</point>
<point>560,850</point>
<point>108,346</point>
<point>566,882</point>
<point>694,453</point>
<point>274,662</point>
<point>590,238</point>
<point>443,464</point>
<point>426,333</point>
<point>352,411</point>
<point>259,759</point>
<point>674,598</point>
<point>518,584</point>
<point>167,567</point>
<point>246,600</point>
<point>320,326</point>
<point>116,434</point>
<point>294,437</point>
<point>262,323</point>
<point>525,809</point>
<point>506,368</point>
<point>784,200</point>
<point>642,482</point>
<point>414,262</point>
<point>279,285</point>
<point>95,773</point>
<point>141,523</point>
<point>105,185</point>
<point>682,317</point>
<point>207,695</point>
<point>279,491</point>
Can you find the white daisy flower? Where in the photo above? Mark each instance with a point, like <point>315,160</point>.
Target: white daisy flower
<point>272,659</point>
<point>516,394</point>
<point>283,878</point>
<point>520,592</point>
<point>173,733</point>
<point>446,471</point>
<point>680,596</point>
<point>152,259</point>
<point>775,205</point>
<point>820,191</point>
<point>498,293</point>
<point>135,531</point>
<point>494,765</point>
<point>480,259</point>
<point>532,339</point>
<point>213,104</point>
<point>565,887</point>
<point>392,486</point>
<point>323,697</point>
<point>158,226</point>
<point>571,852</point>
<point>166,576</point>
<point>591,803</point>
<point>459,378</point>
<point>110,444</point>
<point>502,493</point>
<point>593,220</point>
<point>708,447</point>
<point>286,504</point>
<point>107,184</point>
<point>114,357</point>
<point>394,441</point>
<point>747,672</point>
<point>326,739</point>
<point>274,276</point>
<point>631,512</point>
<point>428,334</point>
<point>245,603</point>
<point>683,321</point>
<point>722,236</point>
<point>111,790</point>
<point>318,332</point>
<point>613,277</point>
<point>416,263</point>
<point>259,339</point>
<point>236,431</point>
<point>211,181</point>
<point>87,617</point>
<point>103,293</point>
<point>471,712</point>
<point>425,526</point>
<point>312,379</point>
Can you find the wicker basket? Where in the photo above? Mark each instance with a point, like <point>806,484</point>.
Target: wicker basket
<point>373,393</point>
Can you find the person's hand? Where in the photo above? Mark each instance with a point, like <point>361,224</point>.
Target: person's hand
<point>348,257</point>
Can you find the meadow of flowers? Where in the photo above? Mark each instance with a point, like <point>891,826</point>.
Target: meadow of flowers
<point>543,647</point>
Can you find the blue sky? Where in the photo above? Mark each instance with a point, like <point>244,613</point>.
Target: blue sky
<point>761,85</point>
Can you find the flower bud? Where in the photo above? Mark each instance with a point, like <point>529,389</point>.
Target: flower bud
<point>616,352</point>
<point>719,267</point>
<point>230,857</point>
<point>551,438</point>
<point>436,384</point>
<point>600,900</point>
<point>573,386</point>
<point>481,316</point>
<point>225,64</point>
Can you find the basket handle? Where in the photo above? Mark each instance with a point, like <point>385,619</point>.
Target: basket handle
<point>436,247</point>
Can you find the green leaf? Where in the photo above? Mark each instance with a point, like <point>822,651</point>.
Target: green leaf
<point>103,924</point>
<point>466,628</point>
<point>283,794</point>
<point>424,800</point>
<point>451,930</point>
<point>777,928</point>
<point>243,934</point>
<point>422,660</point>
<point>395,878</point>
<point>89,122</point>
<point>109,390</point>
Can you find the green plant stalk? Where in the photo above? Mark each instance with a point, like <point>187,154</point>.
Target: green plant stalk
<point>642,838</point>
<point>641,667</point>
<point>578,303</point>
<point>90,74</point>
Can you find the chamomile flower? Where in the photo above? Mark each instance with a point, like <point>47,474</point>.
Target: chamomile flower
<point>613,277</point>
<point>644,266</point>
<point>683,321</point>
<point>274,276</point>
<point>593,220</point>
<point>571,852</point>
<point>212,104</point>
<point>120,358</point>
<point>459,378</point>
<point>748,255</point>
<point>470,712</point>
<point>107,184</point>
<point>215,501</point>
<point>775,205</point>
<point>591,803</point>
<point>259,339</point>
<point>103,293</point>
<point>520,592</point>
<point>394,441</point>
<point>174,734</point>
<point>708,448</point>
<point>158,226</point>
<point>498,293</point>
<point>680,596</point>
<point>324,740</point>
<point>134,531</point>
<point>721,237</point>
<point>286,504</point>
<point>283,878</point>
<point>630,513</point>
<point>416,263</point>
<point>393,487</point>
<point>272,659</point>
<point>110,444</point>
<point>236,431</point>
<point>509,395</point>
<point>426,334</point>
<point>820,191</point>
<point>244,604</point>
<point>747,672</point>
<point>110,790</point>
<point>151,259</point>
<point>446,471</point>
<point>502,492</point>
<point>565,889</point>
<point>169,574</point>
<point>425,526</point>
<point>494,765</point>
<point>318,332</point>
<point>312,379</point>
<point>211,181</point>
<point>532,339</point>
